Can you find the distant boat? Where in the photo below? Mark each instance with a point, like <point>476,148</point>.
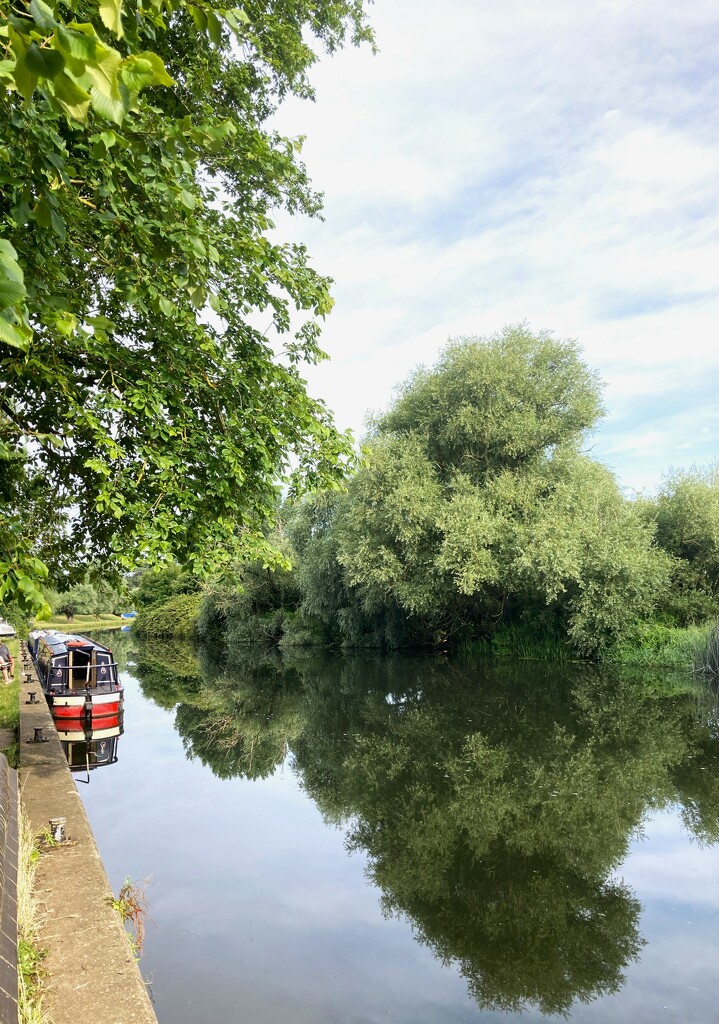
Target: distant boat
<point>128,615</point>
<point>78,677</point>
<point>6,629</point>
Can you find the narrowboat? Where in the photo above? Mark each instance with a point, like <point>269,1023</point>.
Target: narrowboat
<point>78,676</point>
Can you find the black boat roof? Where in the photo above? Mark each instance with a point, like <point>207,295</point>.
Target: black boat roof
<point>61,641</point>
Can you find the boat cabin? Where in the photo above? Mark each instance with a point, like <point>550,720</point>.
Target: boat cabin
<point>66,662</point>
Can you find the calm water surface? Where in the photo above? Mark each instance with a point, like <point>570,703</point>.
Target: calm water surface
<point>351,841</point>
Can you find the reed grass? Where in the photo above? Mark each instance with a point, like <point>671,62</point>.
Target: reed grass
<point>523,643</point>
<point>706,661</point>
<point>654,645</point>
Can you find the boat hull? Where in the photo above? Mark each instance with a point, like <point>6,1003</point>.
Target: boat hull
<point>68,713</point>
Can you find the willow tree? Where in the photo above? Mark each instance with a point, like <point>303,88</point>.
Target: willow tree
<point>152,331</point>
<point>477,504</point>
<point>686,515</point>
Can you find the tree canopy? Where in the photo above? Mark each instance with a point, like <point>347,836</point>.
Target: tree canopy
<point>477,505</point>
<point>151,329</point>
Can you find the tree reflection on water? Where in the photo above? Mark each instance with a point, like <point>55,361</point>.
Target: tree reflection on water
<point>495,802</point>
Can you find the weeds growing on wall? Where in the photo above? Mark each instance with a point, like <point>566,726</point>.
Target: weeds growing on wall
<point>131,904</point>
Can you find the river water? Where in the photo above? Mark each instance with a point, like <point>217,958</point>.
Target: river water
<point>365,839</point>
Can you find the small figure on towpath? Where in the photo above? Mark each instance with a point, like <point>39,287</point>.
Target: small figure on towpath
<point>6,662</point>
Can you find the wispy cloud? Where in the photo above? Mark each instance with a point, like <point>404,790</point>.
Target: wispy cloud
<point>554,163</point>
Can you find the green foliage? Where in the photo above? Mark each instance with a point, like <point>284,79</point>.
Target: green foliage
<point>138,177</point>
<point>523,641</point>
<point>9,706</point>
<point>475,508</point>
<point>251,605</point>
<point>175,618</point>
<point>82,599</point>
<point>151,588</point>
<point>686,516</point>
<point>499,402</point>
<point>31,967</point>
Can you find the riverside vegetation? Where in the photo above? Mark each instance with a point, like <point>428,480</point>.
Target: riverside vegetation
<point>476,520</point>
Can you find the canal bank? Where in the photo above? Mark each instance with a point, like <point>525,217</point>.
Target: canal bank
<point>92,974</point>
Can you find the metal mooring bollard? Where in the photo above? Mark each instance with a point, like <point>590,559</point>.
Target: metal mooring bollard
<point>32,695</point>
<point>57,829</point>
<point>38,737</point>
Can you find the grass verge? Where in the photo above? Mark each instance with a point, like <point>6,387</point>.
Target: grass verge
<point>9,707</point>
<point>81,623</point>
<point>30,956</point>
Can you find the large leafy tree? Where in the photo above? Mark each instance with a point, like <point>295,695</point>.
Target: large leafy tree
<point>477,504</point>
<point>151,329</point>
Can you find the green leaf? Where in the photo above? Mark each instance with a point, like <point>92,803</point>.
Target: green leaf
<point>66,324</point>
<point>74,99</point>
<point>44,62</point>
<point>108,139</point>
<point>76,42</point>
<point>187,199</point>
<point>107,106</point>
<point>43,15</point>
<point>57,224</point>
<point>25,79</point>
<point>103,75</point>
<point>199,17</point>
<point>136,73</point>
<point>111,15</point>
<point>214,27</point>
<point>42,214</point>
<point>8,259</point>
<point>11,292</point>
<point>12,284</point>
<point>158,66</point>
<point>14,336</point>
<point>198,297</point>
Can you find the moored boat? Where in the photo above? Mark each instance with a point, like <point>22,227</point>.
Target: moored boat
<point>78,676</point>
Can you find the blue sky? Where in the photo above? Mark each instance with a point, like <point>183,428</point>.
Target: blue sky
<point>553,163</point>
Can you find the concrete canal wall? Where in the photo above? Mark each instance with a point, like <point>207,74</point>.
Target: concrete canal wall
<point>8,892</point>
<point>92,975</point>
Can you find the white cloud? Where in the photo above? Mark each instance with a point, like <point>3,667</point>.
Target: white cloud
<point>551,163</point>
